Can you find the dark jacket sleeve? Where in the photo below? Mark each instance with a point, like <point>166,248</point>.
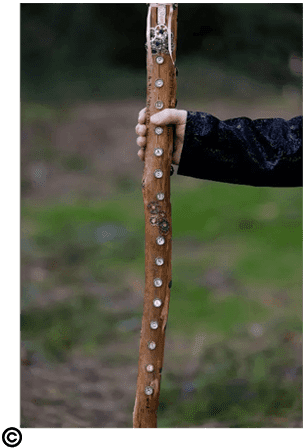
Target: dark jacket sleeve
<point>262,153</point>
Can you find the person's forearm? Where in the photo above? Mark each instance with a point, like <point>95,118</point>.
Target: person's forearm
<point>263,152</point>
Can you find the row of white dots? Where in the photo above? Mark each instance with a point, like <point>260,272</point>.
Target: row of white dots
<point>160,240</point>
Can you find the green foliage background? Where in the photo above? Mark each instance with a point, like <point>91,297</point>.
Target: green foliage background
<point>81,51</point>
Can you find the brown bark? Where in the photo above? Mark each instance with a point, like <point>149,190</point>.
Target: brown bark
<point>158,223</point>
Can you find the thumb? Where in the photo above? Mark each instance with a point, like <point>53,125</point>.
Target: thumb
<point>168,116</point>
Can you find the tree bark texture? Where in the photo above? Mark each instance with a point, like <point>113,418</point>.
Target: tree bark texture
<point>161,87</point>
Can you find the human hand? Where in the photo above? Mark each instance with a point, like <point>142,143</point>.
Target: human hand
<point>165,117</point>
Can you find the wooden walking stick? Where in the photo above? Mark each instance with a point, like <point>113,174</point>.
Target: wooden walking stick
<point>161,93</point>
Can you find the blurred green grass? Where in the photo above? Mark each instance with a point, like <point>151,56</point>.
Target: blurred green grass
<point>266,253</point>
<point>236,263</point>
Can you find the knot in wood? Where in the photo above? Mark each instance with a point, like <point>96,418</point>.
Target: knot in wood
<point>164,226</point>
<point>162,215</point>
<point>153,207</point>
<point>153,220</point>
